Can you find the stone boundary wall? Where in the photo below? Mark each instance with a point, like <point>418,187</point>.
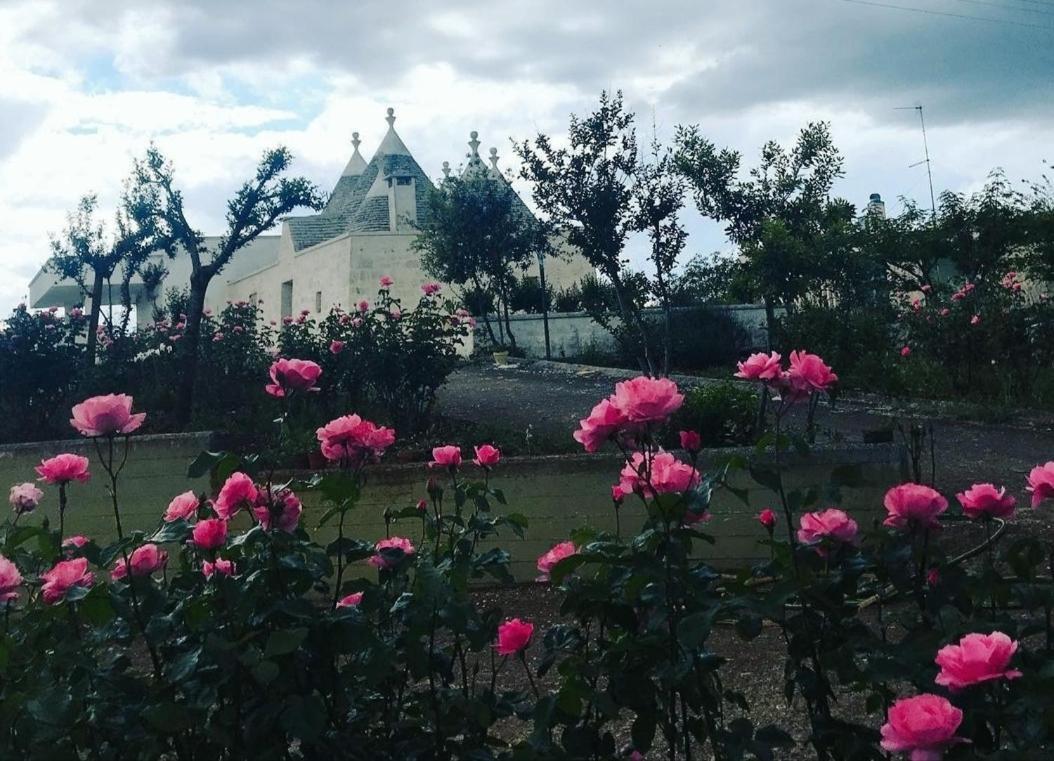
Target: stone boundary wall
<point>572,333</point>
<point>556,493</point>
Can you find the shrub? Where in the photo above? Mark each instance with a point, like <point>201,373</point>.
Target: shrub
<point>723,413</point>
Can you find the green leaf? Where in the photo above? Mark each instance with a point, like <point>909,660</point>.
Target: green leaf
<point>176,531</point>
<point>693,629</point>
<point>265,672</point>
<point>284,641</point>
<point>766,476</point>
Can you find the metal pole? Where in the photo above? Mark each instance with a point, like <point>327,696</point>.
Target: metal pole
<point>545,302</point>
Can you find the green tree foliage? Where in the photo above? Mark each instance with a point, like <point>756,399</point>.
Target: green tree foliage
<point>255,208</point>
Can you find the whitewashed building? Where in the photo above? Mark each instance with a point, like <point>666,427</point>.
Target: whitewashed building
<point>337,256</point>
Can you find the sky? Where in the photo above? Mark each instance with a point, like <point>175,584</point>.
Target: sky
<point>86,85</point>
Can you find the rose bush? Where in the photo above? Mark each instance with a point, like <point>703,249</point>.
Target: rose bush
<point>229,631</point>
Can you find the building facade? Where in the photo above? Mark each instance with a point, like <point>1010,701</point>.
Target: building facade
<point>337,256</point>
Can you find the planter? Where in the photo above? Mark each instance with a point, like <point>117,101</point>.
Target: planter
<point>501,357</point>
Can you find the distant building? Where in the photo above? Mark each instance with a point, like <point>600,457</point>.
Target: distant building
<point>876,207</point>
<point>337,256</point>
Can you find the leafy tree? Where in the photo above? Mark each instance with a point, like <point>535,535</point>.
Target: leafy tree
<point>713,279</point>
<point>776,213</point>
<point>588,189</point>
<point>85,254</point>
<point>478,234</point>
<point>254,210</point>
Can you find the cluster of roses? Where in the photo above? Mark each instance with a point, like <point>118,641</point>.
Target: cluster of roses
<point>806,374</point>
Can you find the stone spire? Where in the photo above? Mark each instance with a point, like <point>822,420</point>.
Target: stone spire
<point>356,163</point>
<point>494,159</point>
<point>392,144</point>
<point>446,169</point>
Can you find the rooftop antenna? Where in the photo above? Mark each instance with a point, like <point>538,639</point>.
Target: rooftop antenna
<point>926,161</point>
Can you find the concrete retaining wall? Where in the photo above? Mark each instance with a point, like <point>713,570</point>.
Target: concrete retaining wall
<point>572,333</point>
<point>557,494</point>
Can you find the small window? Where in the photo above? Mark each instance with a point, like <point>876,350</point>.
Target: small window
<point>403,180</point>
<point>318,301</point>
<point>287,299</point>
<point>253,298</point>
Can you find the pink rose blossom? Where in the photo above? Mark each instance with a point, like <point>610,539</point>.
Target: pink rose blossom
<point>364,306</point>
<point>982,500</point>
<point>933,577</point>
<point>422,505</point>
<point>827,525</point>
<point>618,494</point>
<point>144,561</point>
<point>63,468</point>
<point>808,374</point>
<point>106,416</point>
<point>448,456</point>
<point>76,541</point>
<point>386,281</point>
<point>922,727</point>
<point>647,400</point>
<point>690,441</point>
<point>62,577</point>
<point>430,289</point>
<point>395,313</point>
<point>926,288</point>
<point>487,456</point>
<point>975,320</point>
<point>760,367</point>
<point>945,312</point>
<point>238,491</point>
<point>767,518</point>
<point>384,561</point>
<point>666,474</point>
<point>354,440</point>
<point>552,557</point>
<point>911,505</point>
<point>604,421</point>
<point>336,347</point>
<point>288,375</point>
<point>281,509</point>
<point>182,507</point>
<point>1040,483</point>
<point>905,351</point>
<point>350,601</point>
<point>975,659</point>
<point>209,534</point>
<point>220,566</point>
<point>24,498</point>
<point>514,636</point>
<point>10,580</point>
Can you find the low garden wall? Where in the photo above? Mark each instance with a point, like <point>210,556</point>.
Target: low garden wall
<point>556,493</point>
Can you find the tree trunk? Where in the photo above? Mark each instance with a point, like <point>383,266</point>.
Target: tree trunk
<point>485,315</point>
<point>199,283</point>
<point>93,319</point>
<point>505,311</point>
<point>631,317</point>
<point>770,321</point>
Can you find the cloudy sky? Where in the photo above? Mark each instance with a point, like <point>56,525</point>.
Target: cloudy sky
<point>86,85</point>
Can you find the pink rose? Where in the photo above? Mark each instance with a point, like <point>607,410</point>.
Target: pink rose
<point>922,727</point>
<point>386,281</point>
<point>144,561</point>
<point>760,367</point>
<point>1040,483</point>
<point>238,491</point>
<point>288,375</point>
<point>905,351</point>
<point>691,441</point>
<point>384,560</point>
<point>982,500</point>
<point>808,374</point>
<point>281,509</point>
<point>667,475</point>
<point>487,456</point>
<point>182,507</point>
<point>430,289</point>
<point>336,347</point>
<point>831,525</point>
<point>10,580</point>
<point>350,601</point>
<point>209,534</point>
<point>422,505</point>
<point>618,494</point>
<point>647,400</point>
<point>767,518</point>
<point>933,577</point>
<point>62,577</point>
<point>364,306</point>
<point>24,498</point>
<point>944,312</point>
<point>75,542</point>
<point>604,421</point>
<point>354,440</point>
<point>63,468</point>
<point>911,504</point>
<point>396,313</point>
<point>221,566</point>
<point>448,456</point>
<point>975,320</point>
<point>513,636</point>
<point>106,416</point>
<point>977,658</point>
<point>552,557</point>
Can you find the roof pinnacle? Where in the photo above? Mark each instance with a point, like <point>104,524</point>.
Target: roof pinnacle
<point>390,118</point>
<point>355,142</point>
<point>446,169</point>
<point>494,158</point>
<point>473,143</point>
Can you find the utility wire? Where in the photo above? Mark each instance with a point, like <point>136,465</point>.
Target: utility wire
<point>990,4</point>
<point>929,12</point>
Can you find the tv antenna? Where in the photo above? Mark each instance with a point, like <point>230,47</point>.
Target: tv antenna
<point>926,161</point>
